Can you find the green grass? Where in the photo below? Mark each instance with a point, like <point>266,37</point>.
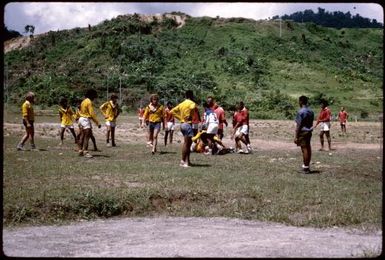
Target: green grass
<point>54,185</point>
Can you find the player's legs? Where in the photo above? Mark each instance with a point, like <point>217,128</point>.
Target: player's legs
<point>321,135</point>
<point>113,135</point>
<point>155,139</point>
<point>165,137</point>
<point>327,133</point>
<point>62,130</point>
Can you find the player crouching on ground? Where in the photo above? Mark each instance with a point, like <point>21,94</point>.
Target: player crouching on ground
<point>201,145</point>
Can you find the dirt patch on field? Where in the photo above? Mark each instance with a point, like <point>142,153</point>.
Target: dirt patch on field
<point>187,237</point>
<point>16,43</point>
<point>265,135</point>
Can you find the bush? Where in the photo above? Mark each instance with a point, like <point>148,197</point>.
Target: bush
<point>364,114</point>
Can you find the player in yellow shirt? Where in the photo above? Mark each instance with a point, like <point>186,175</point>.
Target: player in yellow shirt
<point>87,114</point>
<point>184,113</point>
<point>154,115</point>
<point>28,120</point>
<point>76,117</point>
<point>66,115</point>
<point>111,110</point>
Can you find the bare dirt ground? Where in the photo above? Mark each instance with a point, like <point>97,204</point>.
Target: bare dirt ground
<point>267,135</point>
<point>196,237</point>
<point>187,237</point>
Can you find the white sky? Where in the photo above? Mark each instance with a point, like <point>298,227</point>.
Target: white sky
<point>46,16</point>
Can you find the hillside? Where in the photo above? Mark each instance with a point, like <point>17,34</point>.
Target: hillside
<point>233,59</point>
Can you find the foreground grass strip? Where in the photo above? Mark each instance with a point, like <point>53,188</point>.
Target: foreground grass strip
<point>54,185</point>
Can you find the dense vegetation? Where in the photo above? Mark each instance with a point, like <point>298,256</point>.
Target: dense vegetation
<point>335,19</point>
<point>233,59</point>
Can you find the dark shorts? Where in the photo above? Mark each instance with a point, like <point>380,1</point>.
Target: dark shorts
<point>25,122</point>
<point>186,129</point>
<point>153,126</point>
<point>304,138</point>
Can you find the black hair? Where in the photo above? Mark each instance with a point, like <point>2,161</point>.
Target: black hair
<point>63,101</point>
<point>169,103</point>
<point>113,96</point>
<point>91,94</point>
<point>324,102</point>
<point>189,94</point>
<point>304,100</point>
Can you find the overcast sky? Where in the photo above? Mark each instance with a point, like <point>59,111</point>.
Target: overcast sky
<point>47,16</point>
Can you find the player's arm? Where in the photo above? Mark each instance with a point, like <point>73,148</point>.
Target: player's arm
<point>176,113</point>
<point>60,114</point>
<point>103,109</point>
<point>298,121</point>
<point>163,117</point>
<point>145,116</point>
<point>118,110</point>
<point>238,124</point>
<point>224,119</point>
<point>93,115</point>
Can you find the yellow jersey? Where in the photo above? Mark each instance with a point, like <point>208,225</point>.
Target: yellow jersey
<point>110,111</point>
<point>154,114</point>
<point>66,115</point>
<point>27,111</point>
<point>87,110</point>
<point>184,111</point>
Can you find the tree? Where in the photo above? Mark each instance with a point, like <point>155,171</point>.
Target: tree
<point>336,19</point>
<point>29,29</point>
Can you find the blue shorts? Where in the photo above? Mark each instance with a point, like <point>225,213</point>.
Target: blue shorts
<point>186,129</point>
<point>153,126</point>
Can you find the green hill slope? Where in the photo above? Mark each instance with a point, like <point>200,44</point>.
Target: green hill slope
<point>232,59</point>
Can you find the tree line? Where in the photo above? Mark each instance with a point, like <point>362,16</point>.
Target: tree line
<point>336,19</point>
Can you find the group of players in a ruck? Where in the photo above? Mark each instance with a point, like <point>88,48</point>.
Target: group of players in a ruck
<point>201,134</point>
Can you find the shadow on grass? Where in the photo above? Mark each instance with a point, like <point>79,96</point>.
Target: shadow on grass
<point>200,165</point>
<point>163,152</point>
<point>101,155</point>
<point>37,150</point>
<point>314,172</point>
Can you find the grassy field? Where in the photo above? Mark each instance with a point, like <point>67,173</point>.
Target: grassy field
<point>54,185</point>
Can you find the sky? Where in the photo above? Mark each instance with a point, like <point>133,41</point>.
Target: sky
<point>53,16</point>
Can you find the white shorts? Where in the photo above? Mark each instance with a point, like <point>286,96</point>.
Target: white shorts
<point>109,123</point>
<point>212,129</point>
<point>85,123</point>
<point>244,129</point>
<point>170,126</point>
<point>324,126</point>
<point>67,126</point>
